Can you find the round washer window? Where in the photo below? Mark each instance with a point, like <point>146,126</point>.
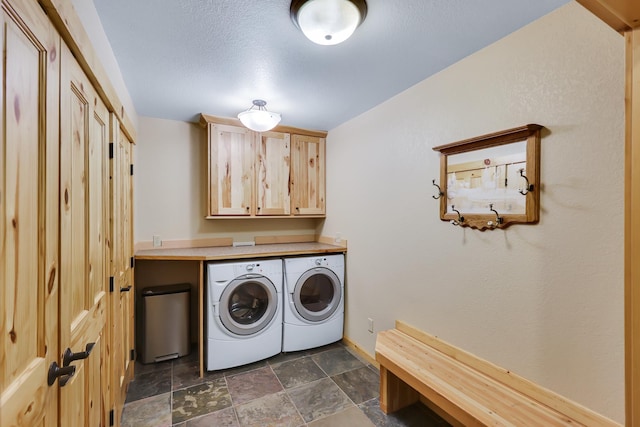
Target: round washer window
<point>317,294</point>
<point>247,305</point>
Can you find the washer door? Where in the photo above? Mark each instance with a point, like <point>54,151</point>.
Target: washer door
<point>317,294</point>
<point>248,304</point>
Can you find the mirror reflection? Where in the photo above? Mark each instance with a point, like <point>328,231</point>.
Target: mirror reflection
<point>488,176</point>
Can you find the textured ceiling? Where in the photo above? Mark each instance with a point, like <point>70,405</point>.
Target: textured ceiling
<point>180,58</point>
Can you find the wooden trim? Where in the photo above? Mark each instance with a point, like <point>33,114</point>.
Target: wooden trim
<point>489,140</point>
<point>360,351</point>
<point>228,241</point>
<point>66,21</point>
<point>621,15</point>
<point>205,119</point>
<point>270,240</point>
<point>201,319</point>
<point>632,229</point>
<point>190,243</point>
<point>565,406</point>
<point>263,217</point>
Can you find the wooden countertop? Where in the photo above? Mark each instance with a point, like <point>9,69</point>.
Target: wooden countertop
<point>239,252</point>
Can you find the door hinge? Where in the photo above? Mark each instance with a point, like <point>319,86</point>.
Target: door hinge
<point>111,150</point>
<point>112,417</point>
<point>133,354</point>
<point>133,263</point>
<point>111,280</point>
<point>131,169</point>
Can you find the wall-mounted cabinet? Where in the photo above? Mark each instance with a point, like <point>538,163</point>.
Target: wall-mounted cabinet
<point>275,174</point>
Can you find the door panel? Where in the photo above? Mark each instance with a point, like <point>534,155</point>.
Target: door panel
<point>28,216</point>
<point>122,252</point>
<point>308,175</point>
<point>273,174</point>
<point>231,170</point>
<point>83,279</point>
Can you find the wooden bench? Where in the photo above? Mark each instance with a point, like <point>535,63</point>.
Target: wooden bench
<point>464,389</point>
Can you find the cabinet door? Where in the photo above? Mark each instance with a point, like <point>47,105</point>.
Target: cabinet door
<point>273,174</point>
<point>83,273</point>
<point>231,170</point>
<point>29,267</point>
<point>308,175</point>
<point>122,297</point>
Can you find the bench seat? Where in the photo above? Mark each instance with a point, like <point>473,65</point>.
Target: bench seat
<point>411,368</point>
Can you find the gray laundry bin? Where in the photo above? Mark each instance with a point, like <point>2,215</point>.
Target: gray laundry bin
<point>165,317</point>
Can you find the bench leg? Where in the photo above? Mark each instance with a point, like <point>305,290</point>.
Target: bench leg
<point>395,394</point>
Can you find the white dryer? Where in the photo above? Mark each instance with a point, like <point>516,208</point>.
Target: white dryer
<point>244,312</point>
<point>313,301</point>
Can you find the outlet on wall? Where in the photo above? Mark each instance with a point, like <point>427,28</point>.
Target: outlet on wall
<point>157,242</point>
<point>370,320</point>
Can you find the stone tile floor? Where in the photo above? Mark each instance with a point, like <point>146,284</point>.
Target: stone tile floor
<point>327,386</point>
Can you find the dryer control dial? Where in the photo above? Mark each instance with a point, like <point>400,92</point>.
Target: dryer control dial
<point>250,267</point>
<point>318,261</point>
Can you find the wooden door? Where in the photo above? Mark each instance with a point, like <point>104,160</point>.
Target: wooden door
<point>273,174</point>
<point>83,273</point>
<point>231,170</point>
<point>29,268</point>
<point>308,175</point>
<point>122,293</point>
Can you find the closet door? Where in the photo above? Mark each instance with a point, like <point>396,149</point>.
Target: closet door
<point>122,297</point>
<point>29,267</point>
<point>83,273</point>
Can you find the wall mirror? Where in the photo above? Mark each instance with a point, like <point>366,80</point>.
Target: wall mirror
<point>491,181</point>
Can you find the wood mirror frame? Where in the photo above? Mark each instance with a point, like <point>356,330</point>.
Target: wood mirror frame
<point>529,133</point>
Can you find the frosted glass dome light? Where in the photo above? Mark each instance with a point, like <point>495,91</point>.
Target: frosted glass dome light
<point>328,22</point>
<point>257,118</point>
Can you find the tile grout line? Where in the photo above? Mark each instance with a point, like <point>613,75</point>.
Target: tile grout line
<point>286,393</point>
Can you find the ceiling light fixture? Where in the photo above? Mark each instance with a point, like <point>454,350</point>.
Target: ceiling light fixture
<point>328,22</point>
<point>257,118</point>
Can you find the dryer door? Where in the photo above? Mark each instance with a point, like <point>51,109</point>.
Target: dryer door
<point>317,294</point>
<point>248,304</point>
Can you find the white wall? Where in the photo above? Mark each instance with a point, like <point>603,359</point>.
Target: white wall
<point>88,15</point>
<point>170,187</point>
<point>545,300</point>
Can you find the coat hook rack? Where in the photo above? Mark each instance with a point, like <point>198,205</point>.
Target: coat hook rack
<point>460,219</point>
<point>499,219</point>
<point>529,187</point>
<point>440,193</point>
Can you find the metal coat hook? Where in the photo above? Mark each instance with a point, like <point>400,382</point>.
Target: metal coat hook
<point>529,187</point>
<point>499,219</point>
<point>440,193</point>
<point>460,217</point>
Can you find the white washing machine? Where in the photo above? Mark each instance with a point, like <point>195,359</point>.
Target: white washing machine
<point>313,301</point>
<point>244,312</point>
